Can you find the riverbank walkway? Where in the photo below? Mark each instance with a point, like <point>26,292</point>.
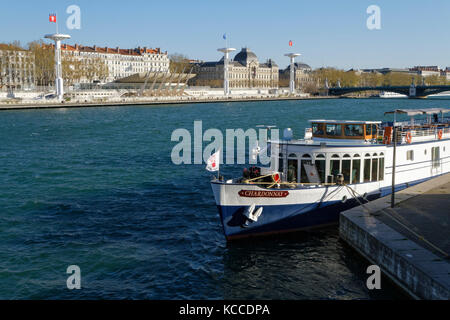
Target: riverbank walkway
<point>143,102</point>
<point>410,242</point>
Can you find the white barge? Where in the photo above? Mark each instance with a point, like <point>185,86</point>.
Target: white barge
<point>338,165</point>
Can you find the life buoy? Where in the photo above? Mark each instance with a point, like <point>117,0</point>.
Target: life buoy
<point>408,137</point>
<point>276,177</point>
<point>440,134</point>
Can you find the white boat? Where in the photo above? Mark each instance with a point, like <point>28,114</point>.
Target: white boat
<point>338,165</point>
<point>388,94</point>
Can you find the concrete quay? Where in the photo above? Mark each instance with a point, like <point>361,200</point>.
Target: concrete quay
<point>144,102</point>
<point>410,242</point>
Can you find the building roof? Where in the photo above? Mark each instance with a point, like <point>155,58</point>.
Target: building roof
<point>132,52</point>
<point>245,57</point>
<point>298,65</point>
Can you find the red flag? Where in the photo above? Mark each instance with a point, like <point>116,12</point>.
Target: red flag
<point>290,43</point>
<point>52,18</point>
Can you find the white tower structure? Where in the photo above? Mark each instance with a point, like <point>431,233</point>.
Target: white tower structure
<point>226,51</point>
<point>292,71</point>
<point>57,37</point>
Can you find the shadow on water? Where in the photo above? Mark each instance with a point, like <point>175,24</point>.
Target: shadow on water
<point>303,265</point>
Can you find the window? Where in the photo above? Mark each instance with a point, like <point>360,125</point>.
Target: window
<point>280,163</point>
<point>356,170</point>
<point>317,129</point>
<point>303,175</point>
<point>381,171</point>
<point>410,155</point>
<point>335,165</point>
<point>334,129</point>
<point>367,169</point>
<point>374,169</point>
<point>368,130</point>
<point>320,166</point>
<point>353,130</point>
<point>346,170</point>
<point>292,170</point>
<point>435,157</point>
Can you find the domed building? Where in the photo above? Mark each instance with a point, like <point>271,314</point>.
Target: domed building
<point>244,71</point>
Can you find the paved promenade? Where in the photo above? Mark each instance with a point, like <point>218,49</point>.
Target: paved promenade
<point>160,101</point>
<point>411,242</point>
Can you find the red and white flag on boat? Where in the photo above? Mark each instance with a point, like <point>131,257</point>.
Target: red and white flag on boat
<point>52,17</point>
<point>213,162</point>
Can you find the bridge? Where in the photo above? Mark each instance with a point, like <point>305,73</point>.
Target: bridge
<point>411,91</point>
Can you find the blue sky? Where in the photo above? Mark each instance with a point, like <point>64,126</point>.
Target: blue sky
<point>326,33</point>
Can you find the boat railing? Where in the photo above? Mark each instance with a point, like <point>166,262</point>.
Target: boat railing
<point>422,134</point>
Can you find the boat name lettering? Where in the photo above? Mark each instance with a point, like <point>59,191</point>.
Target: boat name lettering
<point>263,194</point>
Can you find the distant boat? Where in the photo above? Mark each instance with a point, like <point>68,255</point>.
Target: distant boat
<point>442,94</point>
<point>388,94</point>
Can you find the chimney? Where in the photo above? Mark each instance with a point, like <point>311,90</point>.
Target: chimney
<point>77,46</point>
<point>95,47</point>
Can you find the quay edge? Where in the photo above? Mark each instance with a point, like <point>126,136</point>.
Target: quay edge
<point>417,270</point>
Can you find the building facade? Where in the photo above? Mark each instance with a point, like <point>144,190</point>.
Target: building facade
<point>115,63</point>
<point>427,71</point>
<point>244,71</point>
<point>17,68</point>
<point>303,76</point>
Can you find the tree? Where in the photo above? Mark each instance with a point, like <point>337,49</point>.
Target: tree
<point>178,63</point>
<point>44,59</point>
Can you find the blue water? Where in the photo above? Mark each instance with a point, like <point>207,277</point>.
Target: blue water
<point>95,187</point>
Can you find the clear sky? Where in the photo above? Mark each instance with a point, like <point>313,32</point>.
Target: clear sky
<point>326,33</point>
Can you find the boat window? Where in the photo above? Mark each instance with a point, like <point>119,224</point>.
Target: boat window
<point>306,156</point>
<point>320,166</point>
<point>335,167</point>
<point>356,170</point>
<point>374,169</point>
<point>374,154</point>
<point>317,129</point>
<point>381,171</point>
<point>334,129</point>
<point>353,130</point>
<point>320,156</point>
<point>303,174</point>
<point>381,154</point>
<point>367,155</point>
<point>346,156</point>
<point>346,170</point>
<point>410,155</point>
<point>366,170</point>
<point>368,130</point>
<point>435,157</point>
<point>335,156</point>
<point>280,163</point>
<point>356,156</point>
<point>292,155</point>
<point>374,129</point>
<point>292,170</point>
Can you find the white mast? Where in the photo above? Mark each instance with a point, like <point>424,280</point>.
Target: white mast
<point>226,51</point>
<point>59,88</point>
<point>292,71</point>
